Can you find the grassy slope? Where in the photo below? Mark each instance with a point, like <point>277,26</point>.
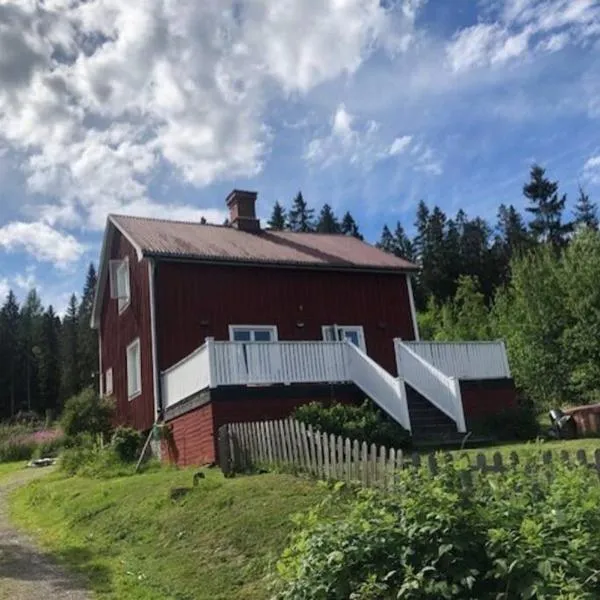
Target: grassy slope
<point>590,445</point>
<point>7,468</point>
<point>133,541</point>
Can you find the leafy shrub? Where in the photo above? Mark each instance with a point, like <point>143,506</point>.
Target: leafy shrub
<point>87,413</point>
<point>529,533</point>
<point>364,423</point>
<point>519,423</point>
<point>16,449</point>
<point>127,443</point>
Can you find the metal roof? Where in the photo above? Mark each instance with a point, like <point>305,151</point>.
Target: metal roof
<point>177,239</point>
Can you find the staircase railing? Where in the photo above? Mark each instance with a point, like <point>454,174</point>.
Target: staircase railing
<point>384,389</point>
<point>439,389</point>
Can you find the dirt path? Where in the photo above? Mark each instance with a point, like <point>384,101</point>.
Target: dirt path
<point>26,573</point>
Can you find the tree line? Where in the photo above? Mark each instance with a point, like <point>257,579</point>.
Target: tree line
<point>45,359</point>
<point>530,278</point>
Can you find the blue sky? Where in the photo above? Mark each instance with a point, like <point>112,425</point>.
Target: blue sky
<point>161,107</point>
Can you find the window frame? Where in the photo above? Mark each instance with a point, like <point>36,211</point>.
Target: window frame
<point>359,329</point>
<point>253,328</point>
<point>108,377</point>
<point>124,301</point>
<point>138,368</point>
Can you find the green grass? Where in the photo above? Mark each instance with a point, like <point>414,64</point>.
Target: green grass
<point>8,468</point>
<point>132,540</point>
<point>590,445</point>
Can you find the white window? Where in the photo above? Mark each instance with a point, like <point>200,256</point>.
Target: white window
<point>253,333</point>
<point>108,382</point>
<point>119,282</point>
<point>352,333</point>
<point>134,369</point>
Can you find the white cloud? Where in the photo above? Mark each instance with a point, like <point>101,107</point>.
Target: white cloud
<point>41,241</point>
<point>100,97</point>
<point>400,144</point>
<point>524,27</point>
<point>4,289</point>
<point>591,169</point>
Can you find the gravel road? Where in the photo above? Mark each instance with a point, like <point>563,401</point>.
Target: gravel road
<point>26,572</point>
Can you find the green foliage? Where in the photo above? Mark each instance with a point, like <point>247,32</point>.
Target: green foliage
<point>23,441</point>
<point>518,424</point>
<point>127,443</point>
<point>529,533</point>
<point>364,423</point>
<point>87,413</point>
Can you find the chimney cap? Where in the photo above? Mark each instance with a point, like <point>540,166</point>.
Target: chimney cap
<point>236,195</point>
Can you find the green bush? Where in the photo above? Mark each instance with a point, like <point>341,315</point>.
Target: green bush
<point>518,424</point>
<point>87,413</point>
<point>127,443</point>
<point>364,423</point>
<point>529,533</point>
<point>14,449</point>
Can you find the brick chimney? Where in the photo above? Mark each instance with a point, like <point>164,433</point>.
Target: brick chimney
<point>242,210</point>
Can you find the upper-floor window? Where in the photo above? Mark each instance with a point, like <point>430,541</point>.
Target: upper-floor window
<point>134,369</point>
<point>119,283</point>
<point>253,333</point>
<point>353,333</point>
<point>108,382</point>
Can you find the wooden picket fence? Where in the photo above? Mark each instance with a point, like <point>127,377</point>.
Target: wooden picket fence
<point>289,444</point>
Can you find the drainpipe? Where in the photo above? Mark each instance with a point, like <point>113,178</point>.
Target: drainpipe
<point>158,401</point>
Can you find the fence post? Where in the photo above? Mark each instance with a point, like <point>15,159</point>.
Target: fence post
<point>212,372</point>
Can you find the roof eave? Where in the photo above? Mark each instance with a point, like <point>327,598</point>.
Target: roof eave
<point>167,256</point>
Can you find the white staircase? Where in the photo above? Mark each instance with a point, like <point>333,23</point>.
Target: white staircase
<point>384,389</point>
<point>436,387</point>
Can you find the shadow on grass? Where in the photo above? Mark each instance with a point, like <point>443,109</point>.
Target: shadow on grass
<point>22,563</point>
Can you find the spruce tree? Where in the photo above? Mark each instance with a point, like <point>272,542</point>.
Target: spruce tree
<point>70,378</point>
<point>10,362</point>
<point>30,344</point>
<point>403,246</point>
<point>278,217</point>
<point>386,240</point>
<point>327,222</point>
<point>49,363</point>
<point>300,217</point>
<point>87,338</point>
<point>547,209</point>
<point>350,227</point>
<point>586,212</point>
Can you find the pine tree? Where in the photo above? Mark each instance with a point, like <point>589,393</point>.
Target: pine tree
<point>386,240</point>
<point>9,355</point>
<point>327,222</point>
<point>350,227</point>
<point>49,363</point>
<point>29,342</point>
<point>547,209</point>
<point>278,217</point>
<point>70,379</point>
<point>421,227</point>
<point>403,246</point>
<point>586,211</point>
<point>300,217</point>
<point>87,339</point>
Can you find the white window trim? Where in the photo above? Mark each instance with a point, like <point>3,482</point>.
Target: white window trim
<point>131,395</point>
<point>108,377</point>
<point>124,301</point>
<point>271,328</point>
<point>357,328</point>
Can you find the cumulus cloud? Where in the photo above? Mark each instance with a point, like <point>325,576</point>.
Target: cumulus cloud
<point>41,241</point>
<point>523,27</point>
<point>591,169</point>
<point>101,96</point>
<point>4,288</point>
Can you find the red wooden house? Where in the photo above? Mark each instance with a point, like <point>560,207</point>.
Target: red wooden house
<point>201,325</point>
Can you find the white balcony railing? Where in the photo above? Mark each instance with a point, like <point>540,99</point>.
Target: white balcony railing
<point>217,364</point>
<point>465,360</point>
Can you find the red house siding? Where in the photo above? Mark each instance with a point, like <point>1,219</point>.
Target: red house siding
<point>194,434</point>
<point>197,301</point>
<point>487,397</point>
<point>119,330</point>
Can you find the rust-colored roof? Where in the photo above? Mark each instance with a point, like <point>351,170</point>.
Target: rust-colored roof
<point>157,237</point>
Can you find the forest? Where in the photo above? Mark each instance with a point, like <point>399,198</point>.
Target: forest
<point>529,278</point>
